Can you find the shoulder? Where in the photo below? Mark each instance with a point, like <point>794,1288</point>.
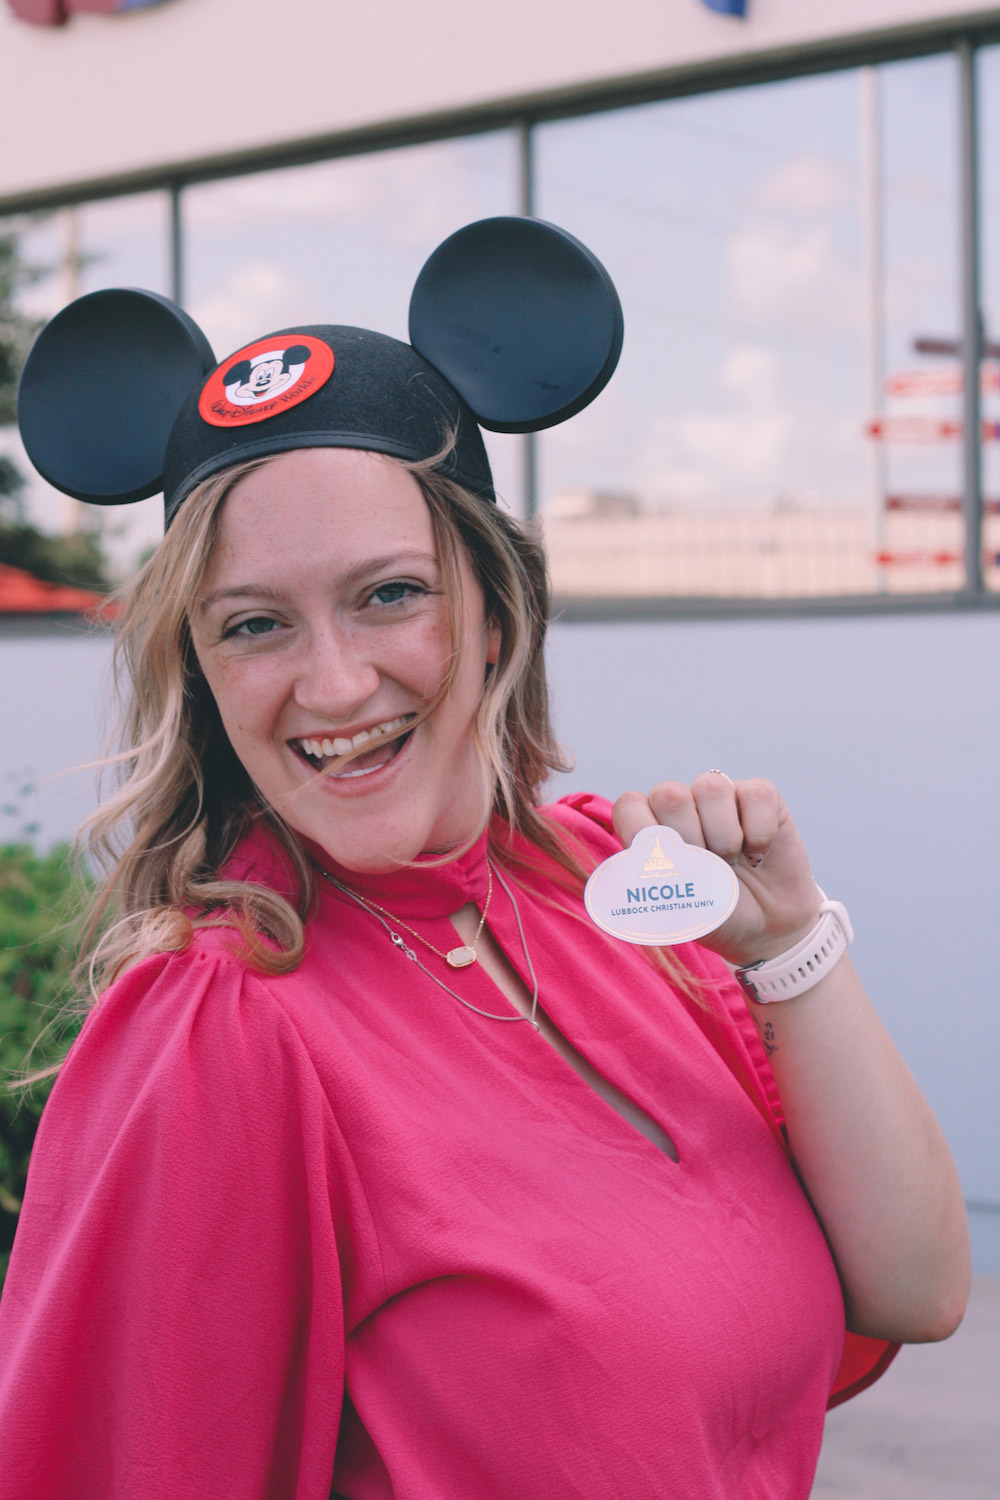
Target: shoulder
<point>183,1023</point>
<point>586,818</point>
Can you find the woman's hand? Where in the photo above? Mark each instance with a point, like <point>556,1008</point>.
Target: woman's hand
<point>747,824</point>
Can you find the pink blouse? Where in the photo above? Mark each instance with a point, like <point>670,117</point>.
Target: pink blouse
<point>336,1229</point>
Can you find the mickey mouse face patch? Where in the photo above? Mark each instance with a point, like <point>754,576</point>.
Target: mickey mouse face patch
<point>264,379</point>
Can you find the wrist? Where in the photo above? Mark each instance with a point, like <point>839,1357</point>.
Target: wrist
<point>767,951</point>
<point>804,963</point>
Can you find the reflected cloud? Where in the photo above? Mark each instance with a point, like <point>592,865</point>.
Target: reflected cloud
<point>769,447</point>
<point>252,300</point>
<point>416,195</point>
<point>793,276</point>
<point>807,184</point>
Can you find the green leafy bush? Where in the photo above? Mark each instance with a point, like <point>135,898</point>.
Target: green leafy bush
<point>40,898</point>
<point>75,557</point>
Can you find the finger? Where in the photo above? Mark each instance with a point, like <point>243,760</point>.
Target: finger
<point>630,813</point>
<point>719,813</point>
<point>759,809</point>
<point>673,805</point>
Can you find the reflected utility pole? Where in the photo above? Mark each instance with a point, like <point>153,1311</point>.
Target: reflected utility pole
<point>176,246</point>
<point>972,324</point>
<point>874,273</point>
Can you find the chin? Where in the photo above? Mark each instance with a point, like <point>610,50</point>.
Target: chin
<point>373,852</point>
<point>368,851</point>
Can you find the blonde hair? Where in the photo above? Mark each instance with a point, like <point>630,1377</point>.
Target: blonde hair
<point>183,800</point>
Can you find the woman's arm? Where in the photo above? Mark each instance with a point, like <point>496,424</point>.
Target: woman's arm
<point>867,1148</point>
<point>172,1321</point>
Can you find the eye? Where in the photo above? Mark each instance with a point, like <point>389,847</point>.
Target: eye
<point>395,592</point>
<point>256,626</point>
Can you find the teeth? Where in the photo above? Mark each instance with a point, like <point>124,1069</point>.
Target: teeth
<point>341,745</point>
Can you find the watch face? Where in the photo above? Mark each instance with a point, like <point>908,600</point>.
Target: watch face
<point>661,891</point>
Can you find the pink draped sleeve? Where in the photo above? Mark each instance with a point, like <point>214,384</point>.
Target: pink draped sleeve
<point>172,1323</point>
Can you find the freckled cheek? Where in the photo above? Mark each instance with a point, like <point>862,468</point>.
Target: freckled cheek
<point>248,703</point>
<point>431,658</point>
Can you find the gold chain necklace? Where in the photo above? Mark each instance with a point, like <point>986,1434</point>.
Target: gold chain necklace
<point>460,957</point>
<point>373,910</point>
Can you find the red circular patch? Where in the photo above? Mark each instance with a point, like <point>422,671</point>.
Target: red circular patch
<point>264,379</point>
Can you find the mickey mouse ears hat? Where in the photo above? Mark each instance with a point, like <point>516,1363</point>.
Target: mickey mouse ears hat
<point>515,326</point>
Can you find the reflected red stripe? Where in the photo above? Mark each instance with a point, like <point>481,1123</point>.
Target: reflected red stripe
<point>55,12</point>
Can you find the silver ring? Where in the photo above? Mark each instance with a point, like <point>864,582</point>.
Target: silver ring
<point>714,771</point>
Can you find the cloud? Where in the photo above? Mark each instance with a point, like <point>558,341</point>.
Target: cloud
<point>710,455</point>
<point>806,185</point>
<point>751,373</point>
<point>765,443</point>
<point>792,276</point>
<point>415,195</point>
<point>786,267</point>
<point>253,298</point>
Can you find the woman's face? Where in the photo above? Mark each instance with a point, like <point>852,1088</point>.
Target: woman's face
<point>322,618</point>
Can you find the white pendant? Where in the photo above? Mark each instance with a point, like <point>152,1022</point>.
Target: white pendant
<point>660,890</point>
<point>461,958</point>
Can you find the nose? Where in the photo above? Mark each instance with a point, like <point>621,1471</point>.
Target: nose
<point>336,675</point>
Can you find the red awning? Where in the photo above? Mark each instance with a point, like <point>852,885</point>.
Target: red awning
<point>23,594</point>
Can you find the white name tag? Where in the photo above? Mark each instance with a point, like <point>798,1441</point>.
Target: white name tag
<point>660,890</point>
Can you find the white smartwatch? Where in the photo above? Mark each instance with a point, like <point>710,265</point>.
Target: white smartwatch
<point>798,969</point>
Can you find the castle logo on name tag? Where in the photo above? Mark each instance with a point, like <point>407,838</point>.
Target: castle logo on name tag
<point>660,890</point>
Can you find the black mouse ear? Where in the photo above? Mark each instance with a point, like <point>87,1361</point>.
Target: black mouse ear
<point>101,389</point>
<point>238,374</point>
<point>521,319</point>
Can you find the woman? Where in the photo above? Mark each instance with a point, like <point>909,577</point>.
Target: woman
<point>378,1165</point>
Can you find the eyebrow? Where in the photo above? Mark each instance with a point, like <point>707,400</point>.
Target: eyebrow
<point>353,575</point>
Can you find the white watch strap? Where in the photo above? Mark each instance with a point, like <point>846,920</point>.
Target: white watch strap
<point>798,969</point>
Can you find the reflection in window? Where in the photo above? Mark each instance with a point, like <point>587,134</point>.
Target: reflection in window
<point>341,242</point>
<point>989,177</point>
<point>922,532</point>
<point>730,455</point>
<point>117,242</point>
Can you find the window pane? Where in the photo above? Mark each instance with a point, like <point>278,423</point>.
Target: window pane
<point>923,532</point>
<point>730,456</point>
<point>989,177</point>
<point>341,242</point>
<point>118,242</point>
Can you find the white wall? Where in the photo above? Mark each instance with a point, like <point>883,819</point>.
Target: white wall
<point>106,95</point>
<point>881,732</point>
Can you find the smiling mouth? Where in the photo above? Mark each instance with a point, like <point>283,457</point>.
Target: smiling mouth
<point>377,746</point>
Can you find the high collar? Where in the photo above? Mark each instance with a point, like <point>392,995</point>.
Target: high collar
<point>427,889</point>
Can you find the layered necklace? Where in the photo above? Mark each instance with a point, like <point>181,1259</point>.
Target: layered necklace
<point>458,958</point>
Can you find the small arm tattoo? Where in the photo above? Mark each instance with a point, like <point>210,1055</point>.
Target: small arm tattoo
<point>768,1038</point>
